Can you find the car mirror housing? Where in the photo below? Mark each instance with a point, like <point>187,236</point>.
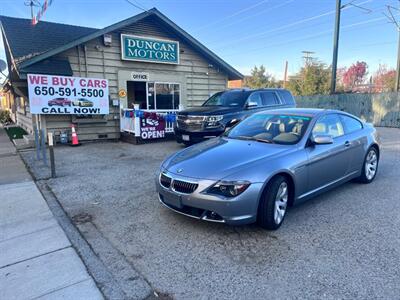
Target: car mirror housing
<point>322,139</point>
<point>251,104</point>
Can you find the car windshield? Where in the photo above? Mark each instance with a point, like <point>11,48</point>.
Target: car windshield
<point>231,98</point>
<point>271,128</point>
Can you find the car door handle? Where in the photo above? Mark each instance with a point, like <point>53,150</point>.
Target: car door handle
<point>347,144</point>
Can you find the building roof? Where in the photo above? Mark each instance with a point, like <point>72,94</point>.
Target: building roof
<point>29,44</point>
<point>26,41</point>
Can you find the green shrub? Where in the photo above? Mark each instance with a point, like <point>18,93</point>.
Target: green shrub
<point>5,116</point>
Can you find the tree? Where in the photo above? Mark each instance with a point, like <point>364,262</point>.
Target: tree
<point>384,79</point>
<point>314,78</point>
<point>259,78</point>
<point>355,75</point>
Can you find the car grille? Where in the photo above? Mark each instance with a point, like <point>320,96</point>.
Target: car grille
<point>165,181</point>
<point>183,186</point>
<point>190,123</point>
<point>176,185</point>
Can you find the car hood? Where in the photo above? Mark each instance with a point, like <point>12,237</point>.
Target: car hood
<point>209,110</point>
<point>218,158</point>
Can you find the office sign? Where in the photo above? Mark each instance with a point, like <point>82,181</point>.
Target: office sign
<point>149,49</point>
<point>61,95</point>
<point>140,76</point>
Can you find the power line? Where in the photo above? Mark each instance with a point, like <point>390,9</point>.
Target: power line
<point>322,33</point>
<point>256,14</point>
<point>301,21</point>
<point>232,15</point>
<point>138,6</point>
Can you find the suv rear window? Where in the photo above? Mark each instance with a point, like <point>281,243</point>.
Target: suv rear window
<point>287,97</point>
<point>229,98</point>
<point>269,98</point>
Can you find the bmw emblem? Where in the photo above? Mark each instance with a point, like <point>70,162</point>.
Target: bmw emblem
<point>179,170</point>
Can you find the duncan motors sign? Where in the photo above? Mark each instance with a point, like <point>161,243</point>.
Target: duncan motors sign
<point>67,95</point>
<point>149,49</point>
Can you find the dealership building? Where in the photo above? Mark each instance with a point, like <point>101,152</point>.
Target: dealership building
<point>149,63</point>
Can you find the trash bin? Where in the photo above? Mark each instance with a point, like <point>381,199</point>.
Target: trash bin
<point>64,137</point>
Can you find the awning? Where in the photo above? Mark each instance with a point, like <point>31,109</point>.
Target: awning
<point>48,67</point>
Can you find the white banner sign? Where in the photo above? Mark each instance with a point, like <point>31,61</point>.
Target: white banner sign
<point>67,95</point>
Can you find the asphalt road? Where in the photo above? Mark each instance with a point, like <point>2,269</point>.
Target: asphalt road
<point>343,244</point>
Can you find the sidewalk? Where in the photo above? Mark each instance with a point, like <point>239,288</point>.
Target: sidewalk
<point>36,258</point>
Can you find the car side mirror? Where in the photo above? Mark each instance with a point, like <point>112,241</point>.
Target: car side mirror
<point>322,139</point>
<point>251,104</point>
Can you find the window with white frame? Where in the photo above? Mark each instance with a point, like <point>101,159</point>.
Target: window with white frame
<point>163,96</point>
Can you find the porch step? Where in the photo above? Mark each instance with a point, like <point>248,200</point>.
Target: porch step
<point>28,141</point>
<point>129,138</point>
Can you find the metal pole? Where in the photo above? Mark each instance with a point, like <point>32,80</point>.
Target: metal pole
<point>397,83</point>
<point>335,46</point>
<point>37,142</point>
<point>43,142</point>
<point>51,151</point>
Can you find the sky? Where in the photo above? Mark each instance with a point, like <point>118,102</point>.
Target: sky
<point>246,33</point>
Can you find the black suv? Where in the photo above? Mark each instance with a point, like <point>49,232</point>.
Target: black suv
<point>225,109</point>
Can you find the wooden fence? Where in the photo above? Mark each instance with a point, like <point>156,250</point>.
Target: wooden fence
<point>381,109</point>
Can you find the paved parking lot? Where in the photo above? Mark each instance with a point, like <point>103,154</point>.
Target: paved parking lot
<point>343,244</point>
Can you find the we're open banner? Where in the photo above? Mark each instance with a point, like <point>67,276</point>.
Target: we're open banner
<point>67,95</point>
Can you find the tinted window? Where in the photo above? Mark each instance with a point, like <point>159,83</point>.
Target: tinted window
<point>255,98</point>
<point>271,128</point>
<point>269,98</point>
<point>286,96</point>
<point>350,124</point>
<point>329,124</point>
<point>230,98</point>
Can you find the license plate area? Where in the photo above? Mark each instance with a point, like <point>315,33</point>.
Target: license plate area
<point>185,137</point>
<point>171,199</point>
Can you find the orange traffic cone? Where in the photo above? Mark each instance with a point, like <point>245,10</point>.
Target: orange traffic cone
<point>75,141</point>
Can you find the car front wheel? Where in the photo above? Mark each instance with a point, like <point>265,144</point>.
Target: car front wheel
<point>273,204</point>
<point>370,166</point>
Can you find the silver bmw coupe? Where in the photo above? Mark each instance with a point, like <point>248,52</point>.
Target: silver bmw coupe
<point>266,163</point>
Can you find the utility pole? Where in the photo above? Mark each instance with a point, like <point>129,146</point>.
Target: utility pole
<point>285,75</point>
<point>335,46</point>
<point>392,19</point>
<point>397,83</point>
<point>307,56</point>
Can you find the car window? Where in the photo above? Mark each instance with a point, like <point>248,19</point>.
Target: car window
<point>287,96</point>
<point>329,124</point>
<point>271,128</point>
<point>269,98</point>
<point>228,98</point>
<point>350,124</point>
<point>255,98</point>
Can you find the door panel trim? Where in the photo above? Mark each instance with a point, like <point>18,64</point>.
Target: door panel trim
<point>326,185</point>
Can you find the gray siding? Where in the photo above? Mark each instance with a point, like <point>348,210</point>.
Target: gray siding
<point>193,67</point>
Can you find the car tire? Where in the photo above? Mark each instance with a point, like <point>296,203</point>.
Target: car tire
<point>370,166</point>
<point>275,195</point>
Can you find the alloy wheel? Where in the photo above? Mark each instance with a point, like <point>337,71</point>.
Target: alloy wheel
<point>281,201</point>
<point>371,164</point>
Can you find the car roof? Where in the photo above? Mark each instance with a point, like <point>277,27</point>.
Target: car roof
<point>254,90</point>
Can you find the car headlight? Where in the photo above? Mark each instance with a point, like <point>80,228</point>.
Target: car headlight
<point>213,121</point>
<point>228,188</point>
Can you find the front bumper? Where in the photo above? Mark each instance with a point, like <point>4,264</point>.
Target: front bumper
<point>235,211</point>
<point>197,136</point>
